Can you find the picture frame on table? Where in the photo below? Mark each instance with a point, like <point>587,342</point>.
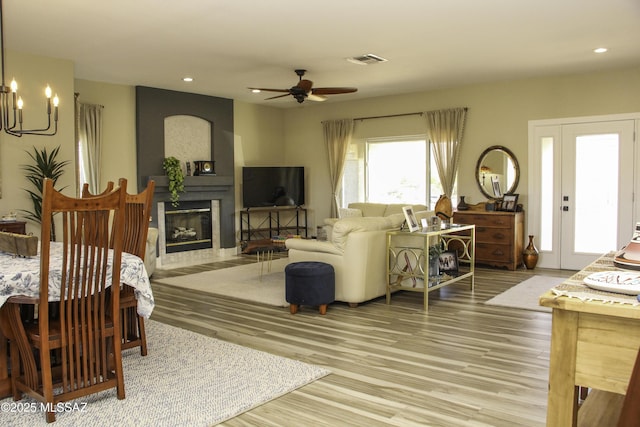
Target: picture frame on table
<point>448,262</point>
<point>509,202</point>
<point>410,217</point>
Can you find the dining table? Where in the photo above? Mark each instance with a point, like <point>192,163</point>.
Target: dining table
<point>20,276</point>
<point>595,339</point>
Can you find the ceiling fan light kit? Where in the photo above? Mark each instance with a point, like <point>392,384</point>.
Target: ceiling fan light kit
<point>305,90</point>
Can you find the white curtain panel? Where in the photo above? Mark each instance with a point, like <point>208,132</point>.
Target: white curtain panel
<point>445,130</point>
<point>90,144</point>
<point>337,136</point>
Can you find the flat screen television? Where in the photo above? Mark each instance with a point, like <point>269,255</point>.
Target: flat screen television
<point>267,186</point>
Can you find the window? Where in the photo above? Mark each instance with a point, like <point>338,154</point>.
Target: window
<point>391,170</point>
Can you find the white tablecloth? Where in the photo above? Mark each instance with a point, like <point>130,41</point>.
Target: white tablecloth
<point>21,276</point>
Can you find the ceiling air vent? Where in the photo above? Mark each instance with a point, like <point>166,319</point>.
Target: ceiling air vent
<point>366,59</point>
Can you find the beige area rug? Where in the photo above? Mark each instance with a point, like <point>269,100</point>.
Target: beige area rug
<point>243,282</point>
<point>526,294</point>
<point>187,379</point>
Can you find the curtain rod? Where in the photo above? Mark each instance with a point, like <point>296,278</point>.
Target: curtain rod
<point>76,95</point>
<point>389,116</point>
<point>419,113</point>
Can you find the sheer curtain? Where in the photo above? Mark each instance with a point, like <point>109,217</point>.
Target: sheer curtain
<point>445,129</point>
<point>89,144</point>
<point>337,136</point>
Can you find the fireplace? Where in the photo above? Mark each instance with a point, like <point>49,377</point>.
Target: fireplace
<point>189,233</point>
<point>188,226</point>
<point>165,127</point>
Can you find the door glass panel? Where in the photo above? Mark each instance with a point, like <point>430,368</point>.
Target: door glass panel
<point>596,194</point>
<point>546,195</point>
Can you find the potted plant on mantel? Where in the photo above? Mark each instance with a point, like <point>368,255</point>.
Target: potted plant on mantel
<point>173,169</point>
<point>46,166</point>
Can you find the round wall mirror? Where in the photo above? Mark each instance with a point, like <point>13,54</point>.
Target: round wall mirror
<point>497,172</point>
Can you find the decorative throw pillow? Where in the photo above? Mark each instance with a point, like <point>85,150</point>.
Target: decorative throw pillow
<point>349,213</point>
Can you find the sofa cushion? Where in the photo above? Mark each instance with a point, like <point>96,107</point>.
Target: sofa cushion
<point>349,212</point>
<point>343,227</point>
<point>370,209</point>
<point>397,208</point>
<point>383,209</point>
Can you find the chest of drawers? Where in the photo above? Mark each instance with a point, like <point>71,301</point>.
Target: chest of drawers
<point>499,236</point>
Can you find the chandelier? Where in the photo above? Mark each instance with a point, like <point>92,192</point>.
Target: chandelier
<point>11,104</point>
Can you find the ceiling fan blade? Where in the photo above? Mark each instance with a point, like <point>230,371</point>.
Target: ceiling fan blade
<point>269,90</point>
<point>314,97</point>
<point>305,85</point>
<point>333,90</point>
<point>277,96</point>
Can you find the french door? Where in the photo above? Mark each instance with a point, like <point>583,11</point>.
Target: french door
<point>582,183</point>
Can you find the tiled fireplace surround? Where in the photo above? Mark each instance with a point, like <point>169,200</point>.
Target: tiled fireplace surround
<point>152,107</point>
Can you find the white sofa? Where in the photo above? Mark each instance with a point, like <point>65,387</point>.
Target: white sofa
<point>356,248</point>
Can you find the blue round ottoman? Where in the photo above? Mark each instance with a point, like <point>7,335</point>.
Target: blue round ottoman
<point>310,283</point>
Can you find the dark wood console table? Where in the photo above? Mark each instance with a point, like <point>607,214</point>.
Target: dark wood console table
<point>18,227</point>
<point>499,236</point>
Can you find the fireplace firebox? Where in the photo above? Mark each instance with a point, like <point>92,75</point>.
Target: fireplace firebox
<point>188,226</point>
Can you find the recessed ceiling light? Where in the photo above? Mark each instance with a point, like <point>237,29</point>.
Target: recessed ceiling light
<point>600,50</point>
<point>187,79</point>
<point>255,90</point>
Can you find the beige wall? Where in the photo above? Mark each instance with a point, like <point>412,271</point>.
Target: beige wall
<point>32,74</point>
<point>119,129</point>
<point>259,140</point>
<point>498,114</point>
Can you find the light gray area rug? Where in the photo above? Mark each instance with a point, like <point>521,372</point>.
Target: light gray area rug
<point>243,282</point>
<point>526,294</point>
<point>187,379</point>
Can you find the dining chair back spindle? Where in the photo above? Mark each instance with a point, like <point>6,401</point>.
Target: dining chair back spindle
<point>83,328</point>
<point>136,227</point>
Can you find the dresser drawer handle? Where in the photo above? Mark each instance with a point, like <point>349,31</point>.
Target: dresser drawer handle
<point>499,236</point>
<point>498,252</point>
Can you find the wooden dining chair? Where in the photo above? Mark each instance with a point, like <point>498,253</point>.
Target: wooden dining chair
<point>86,193</point>
<point>85,334</point>
<point>136,227</point>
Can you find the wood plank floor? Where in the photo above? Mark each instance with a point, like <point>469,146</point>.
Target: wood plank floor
<point>462,364</point>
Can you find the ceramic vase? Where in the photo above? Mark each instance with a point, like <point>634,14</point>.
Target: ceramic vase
<point>462,205</point>
<point>530,254</point>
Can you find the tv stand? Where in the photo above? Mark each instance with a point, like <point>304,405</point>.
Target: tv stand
<point>266,223</point>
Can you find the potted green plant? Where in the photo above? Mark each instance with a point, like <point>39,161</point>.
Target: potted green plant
<point>46,165</point>
<point>172,167</point>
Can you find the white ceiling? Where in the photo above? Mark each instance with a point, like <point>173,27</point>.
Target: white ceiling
<point>229,45</point>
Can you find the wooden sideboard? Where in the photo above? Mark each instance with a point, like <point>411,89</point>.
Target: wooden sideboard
<point>499,236</point>
<point>18,227</point>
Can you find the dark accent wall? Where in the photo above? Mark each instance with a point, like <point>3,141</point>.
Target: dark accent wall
<point>152,107</point>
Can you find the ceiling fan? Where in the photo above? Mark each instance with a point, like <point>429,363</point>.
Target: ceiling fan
<point>305,90</point>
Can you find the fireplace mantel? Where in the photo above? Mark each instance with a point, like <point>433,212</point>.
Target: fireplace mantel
<point>196,183</point>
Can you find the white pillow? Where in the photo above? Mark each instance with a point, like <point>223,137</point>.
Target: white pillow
<point>349,213</point>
